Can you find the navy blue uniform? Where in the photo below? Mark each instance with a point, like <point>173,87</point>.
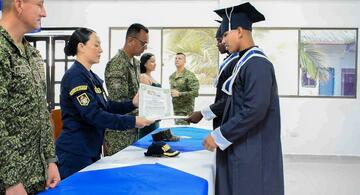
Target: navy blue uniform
<point>85,115</point>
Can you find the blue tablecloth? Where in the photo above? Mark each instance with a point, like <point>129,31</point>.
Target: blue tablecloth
<point>191,139</point>
<point>151,179</point>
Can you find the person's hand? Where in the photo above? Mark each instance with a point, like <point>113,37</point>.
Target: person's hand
<point>175,93</point>
<point>142,122</point>
<point>135,100</point>
<point>209,143</point>
<point>53,176</point>
<point>194,117</point>
<point>145,79</point>
<point>17,189</point>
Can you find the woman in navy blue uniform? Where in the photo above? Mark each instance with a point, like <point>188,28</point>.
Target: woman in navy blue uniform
<point>86,112</point>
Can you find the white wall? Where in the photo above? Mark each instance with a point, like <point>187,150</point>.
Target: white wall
<point>309,125</point>
<point>317,125</point>
<point>102,14</point>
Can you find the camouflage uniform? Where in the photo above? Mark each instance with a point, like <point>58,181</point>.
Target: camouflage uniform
<point>26,144</point>
<point>122,83</point>
<point>188,86</point>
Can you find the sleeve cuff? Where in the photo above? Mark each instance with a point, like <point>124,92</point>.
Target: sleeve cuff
<point>52,160</point>
<point>219,139</point>
<point>207,113</point>
<point>131,104</point>
<point>132,122</point>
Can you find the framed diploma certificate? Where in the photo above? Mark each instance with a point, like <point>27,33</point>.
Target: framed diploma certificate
<point>155,103</point>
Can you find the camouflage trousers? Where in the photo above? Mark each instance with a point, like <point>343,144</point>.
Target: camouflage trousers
<point>181,121</point>
<point>118,140</point>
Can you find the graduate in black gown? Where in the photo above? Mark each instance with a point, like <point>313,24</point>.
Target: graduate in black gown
<point>215,111</point>
<point>249,154</point>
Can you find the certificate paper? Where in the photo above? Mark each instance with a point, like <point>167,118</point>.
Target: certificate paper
<point>155,103</point>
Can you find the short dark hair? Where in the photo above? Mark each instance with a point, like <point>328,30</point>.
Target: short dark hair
<point>144,58</point>
<point>80,35</point>
<point>134,30</point>
<point>180,53</point>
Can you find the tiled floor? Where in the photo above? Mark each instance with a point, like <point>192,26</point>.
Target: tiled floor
<point>321,175</point>
<point>316,175</point>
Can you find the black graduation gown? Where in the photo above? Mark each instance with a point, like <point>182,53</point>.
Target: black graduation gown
<point>220,98</point>
<point>252,164</point>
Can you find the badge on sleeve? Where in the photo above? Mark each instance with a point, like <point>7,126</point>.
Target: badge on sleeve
<point>83,99</point>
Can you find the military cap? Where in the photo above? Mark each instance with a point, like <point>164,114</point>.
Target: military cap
<point>160,149</point>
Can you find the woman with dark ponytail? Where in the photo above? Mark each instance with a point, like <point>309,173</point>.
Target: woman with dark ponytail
<point>148,65</point>
<point>86,112</point>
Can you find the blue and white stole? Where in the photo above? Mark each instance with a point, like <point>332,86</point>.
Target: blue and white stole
<point>253,52</point>
<point>224,64</point>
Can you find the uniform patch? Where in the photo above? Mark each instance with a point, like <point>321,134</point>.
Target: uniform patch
<point>83,99</point>
<point>78,88</point>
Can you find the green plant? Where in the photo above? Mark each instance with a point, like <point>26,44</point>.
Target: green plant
<point>311,62</point>
<point>199,46</point>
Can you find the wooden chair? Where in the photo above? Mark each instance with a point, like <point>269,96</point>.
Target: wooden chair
<point>56,122</point>
<point>57,125</point>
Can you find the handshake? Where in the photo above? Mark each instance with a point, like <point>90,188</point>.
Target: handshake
<point>194,117</point>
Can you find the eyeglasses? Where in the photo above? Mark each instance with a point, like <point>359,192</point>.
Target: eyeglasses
<point>143,43</point>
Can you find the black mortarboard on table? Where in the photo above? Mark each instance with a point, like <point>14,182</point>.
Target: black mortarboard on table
<point>243,15</point>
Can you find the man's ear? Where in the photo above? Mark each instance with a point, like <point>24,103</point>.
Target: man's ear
<point>18,5</point>
<point>240,32</point>
<point>130,41</point>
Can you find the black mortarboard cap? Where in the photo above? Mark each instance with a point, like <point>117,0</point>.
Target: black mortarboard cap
<point>218,32</point>
<point>243,15</point>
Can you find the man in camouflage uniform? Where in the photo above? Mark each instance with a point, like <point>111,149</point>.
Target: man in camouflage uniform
<point>184,89</point>
<point>27,155</point>
<point>122,81</point>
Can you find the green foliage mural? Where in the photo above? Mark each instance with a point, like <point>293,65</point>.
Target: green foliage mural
<point>199,46</point>
<point>311,62</point>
